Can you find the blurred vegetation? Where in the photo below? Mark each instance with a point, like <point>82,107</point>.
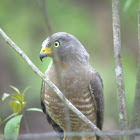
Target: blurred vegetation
<point>91,22</point>
<point>17,105</point>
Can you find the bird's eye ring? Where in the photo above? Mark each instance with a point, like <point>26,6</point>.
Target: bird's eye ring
<point>56,44</point>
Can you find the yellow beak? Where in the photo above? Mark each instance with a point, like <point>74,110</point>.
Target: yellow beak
<point>45,51</point>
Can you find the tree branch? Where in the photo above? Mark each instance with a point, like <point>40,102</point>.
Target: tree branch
<point>69,134</point>
<point>118,62</point>
<point>52,86</point>
<point>44,12</point>
<point>135,115</point>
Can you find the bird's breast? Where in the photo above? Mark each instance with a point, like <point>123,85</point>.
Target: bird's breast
<point>57,110</point>
<point>75,88</point>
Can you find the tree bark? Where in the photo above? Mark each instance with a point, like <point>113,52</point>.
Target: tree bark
<point>118,63</point>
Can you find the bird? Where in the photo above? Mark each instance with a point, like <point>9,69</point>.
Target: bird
<point>80,83</point>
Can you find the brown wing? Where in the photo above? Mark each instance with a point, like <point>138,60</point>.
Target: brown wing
<point>56,127</point>
<point>96,88</point>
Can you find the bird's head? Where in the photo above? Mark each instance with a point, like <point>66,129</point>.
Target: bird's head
<point>65,46</point>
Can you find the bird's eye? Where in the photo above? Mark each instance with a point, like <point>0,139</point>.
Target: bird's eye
<point>56,44</point>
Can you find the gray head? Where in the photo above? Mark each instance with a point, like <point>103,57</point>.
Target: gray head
<point>66,46</point>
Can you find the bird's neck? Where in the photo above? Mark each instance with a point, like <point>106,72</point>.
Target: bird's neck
<point>73,60</point>
<point>69,64</point>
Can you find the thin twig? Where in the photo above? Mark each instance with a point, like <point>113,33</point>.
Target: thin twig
<point>25,120</point>
<point>69,134</point>
<point>44,12</point>
<point>118,62</point>
<point>51,85</point>
<point>135,115</point>
<point>55,60</point>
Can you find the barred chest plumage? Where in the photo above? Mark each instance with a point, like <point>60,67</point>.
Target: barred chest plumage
<point>74,88</point>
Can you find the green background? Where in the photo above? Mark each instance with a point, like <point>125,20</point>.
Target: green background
<point>90,21</point>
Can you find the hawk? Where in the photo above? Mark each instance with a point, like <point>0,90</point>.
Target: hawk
<point>80,83</point>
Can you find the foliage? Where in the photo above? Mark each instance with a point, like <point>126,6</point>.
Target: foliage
<point>12,127</point>
<point>17,104</point>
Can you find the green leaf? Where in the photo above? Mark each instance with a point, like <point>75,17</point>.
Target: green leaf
<point>15,106</point>
<point>17,97</point>
<point>9,117</point>
<point>5,95</point>
<point>35,109</point>
<point>17,90</point>
<point>12,128</point>
<point>25,90</point>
